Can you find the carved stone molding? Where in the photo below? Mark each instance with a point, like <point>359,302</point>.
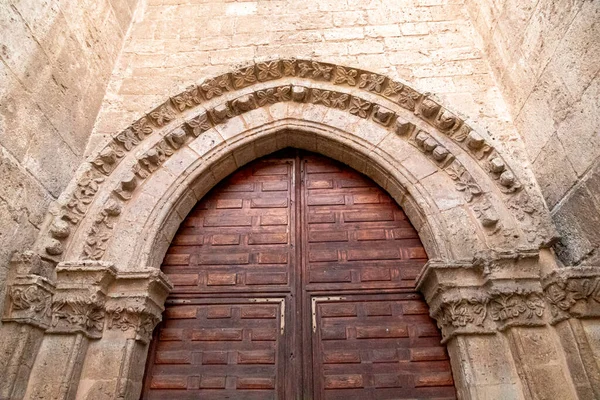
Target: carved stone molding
<point>358,95</point>
<point>573,292</point>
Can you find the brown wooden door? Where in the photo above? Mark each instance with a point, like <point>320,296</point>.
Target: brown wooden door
<point>294,279</point>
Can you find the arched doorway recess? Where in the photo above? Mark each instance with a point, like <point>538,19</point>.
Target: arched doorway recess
<point>88,294</point>
<point>295,279</point>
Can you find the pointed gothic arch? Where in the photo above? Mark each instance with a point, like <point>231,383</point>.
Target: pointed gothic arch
<point>481,218</point>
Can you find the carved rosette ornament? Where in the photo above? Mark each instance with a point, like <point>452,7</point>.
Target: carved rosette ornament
<point>138,320</point>
<point>493,292</point>
<point>357,95</point>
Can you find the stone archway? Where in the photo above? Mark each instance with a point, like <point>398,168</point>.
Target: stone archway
<point>480,217</point>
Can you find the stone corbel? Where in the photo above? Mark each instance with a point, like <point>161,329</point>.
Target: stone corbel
<point>573,292</point>
<point>79,301</point>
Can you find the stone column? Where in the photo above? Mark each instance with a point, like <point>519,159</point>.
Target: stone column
<point>77,317</point>
<point>26,317</point>
<point>114,366</point>
<point>494,316</point>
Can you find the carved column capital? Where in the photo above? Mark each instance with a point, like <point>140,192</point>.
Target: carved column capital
<point>78,305</point>
<point>573,292</point>
<point>488,294</point>
<point>135,303</point>
<point>138,321</point>
<point>29,291</point>
<point>29,301</point>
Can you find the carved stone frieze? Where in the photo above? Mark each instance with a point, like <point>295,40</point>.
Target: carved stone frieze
<point>424,107</point>
<point>99,233</point>
<point>491,293</point>
<point>486,312</point>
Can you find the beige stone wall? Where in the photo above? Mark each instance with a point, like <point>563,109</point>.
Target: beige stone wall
<point>56,58</point>
<point>430,44</point>
<point>546,57</point>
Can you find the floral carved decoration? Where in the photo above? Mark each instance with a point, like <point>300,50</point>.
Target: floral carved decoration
<point>402,95</point>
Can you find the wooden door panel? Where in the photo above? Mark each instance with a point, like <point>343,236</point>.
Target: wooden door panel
<point>377,347</point>
<point>240,237</point>
<point>344,257</point>
<point>356,236</point>
<point>219,349</point>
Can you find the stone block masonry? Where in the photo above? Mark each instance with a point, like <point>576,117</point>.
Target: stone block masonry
<point>56,58</point>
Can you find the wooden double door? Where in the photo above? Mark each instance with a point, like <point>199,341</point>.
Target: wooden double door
<point>294,279</point>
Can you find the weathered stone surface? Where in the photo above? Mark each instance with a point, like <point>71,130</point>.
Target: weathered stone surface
<point>547,56</point>
<point>57,71</point>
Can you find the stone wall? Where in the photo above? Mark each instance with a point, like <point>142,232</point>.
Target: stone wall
<point>56,60</point>
<point>430,44</point>
<point>546,58</point>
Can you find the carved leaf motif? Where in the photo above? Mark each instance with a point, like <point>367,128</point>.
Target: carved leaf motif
<point>343,75</point>
<point>505,307</point>
<point>460,313</point>
<point>78,313</point>
<point>371,82</point>
<point>31,298</point>
<point>463,181</point>
<point>216,87</point>
<point>188,99</point>
<point>199,124</point>
<point>393,88</point>
<point>408,98</point>
<point>268,70</point>
<point>339,100</point>
<point>162,115</point>
<point>314,69</point>
<point>289,67</point>
<point>266,97</point>
<point>320,97</point>
<point>557,297</point>
<point>359,107</point>
<point>244,77</point>
<point>141,128</point>
<point>127,139</point>
<point>284,93</point>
